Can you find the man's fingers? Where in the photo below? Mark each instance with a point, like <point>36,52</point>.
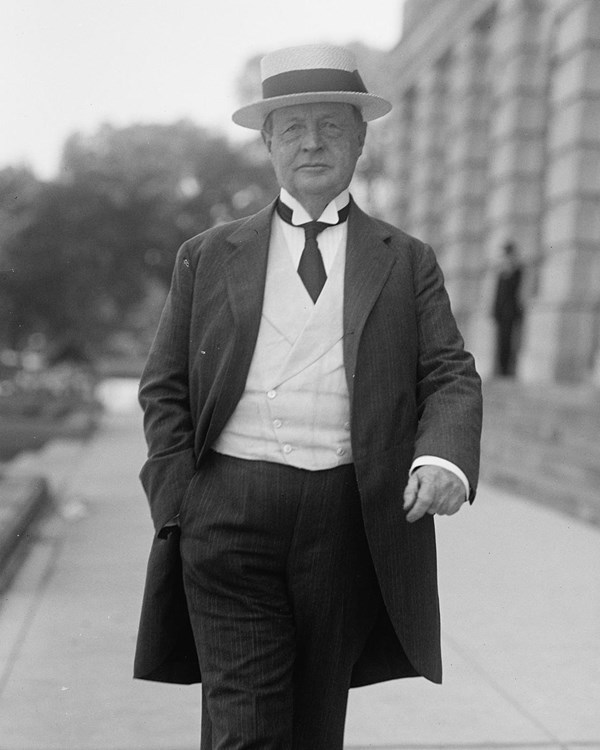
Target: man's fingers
<point>425,496</point>
<point>410,492</point>
<point>419,509</point>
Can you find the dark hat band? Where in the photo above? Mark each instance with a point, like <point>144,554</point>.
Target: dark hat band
<point>312,80</point>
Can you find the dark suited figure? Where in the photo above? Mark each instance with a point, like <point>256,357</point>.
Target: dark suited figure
<point>309,407</point>
<point>508,311</point>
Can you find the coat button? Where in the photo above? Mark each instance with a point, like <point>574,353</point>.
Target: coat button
<point>277,423</point>
<point>287,448</point>
<point>271,394</point>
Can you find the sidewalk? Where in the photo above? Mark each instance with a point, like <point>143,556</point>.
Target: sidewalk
<point>521,619</point>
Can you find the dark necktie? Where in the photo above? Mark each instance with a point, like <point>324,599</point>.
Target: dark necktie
<point>311,269</point>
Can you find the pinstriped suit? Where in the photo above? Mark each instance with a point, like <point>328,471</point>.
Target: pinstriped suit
<point>413,391</point>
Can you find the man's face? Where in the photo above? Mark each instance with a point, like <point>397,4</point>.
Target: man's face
<point>314,149</point>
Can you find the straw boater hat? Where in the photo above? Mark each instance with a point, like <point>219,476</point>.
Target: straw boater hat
<point>310,74</point>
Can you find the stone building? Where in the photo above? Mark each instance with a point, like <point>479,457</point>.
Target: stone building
<point>497,138</point>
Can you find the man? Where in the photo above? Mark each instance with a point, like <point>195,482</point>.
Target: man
<point>309,407</point>
<point>508,311</point>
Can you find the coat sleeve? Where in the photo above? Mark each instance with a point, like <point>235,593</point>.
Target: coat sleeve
<point>164,397</point>
<point>448,386</point>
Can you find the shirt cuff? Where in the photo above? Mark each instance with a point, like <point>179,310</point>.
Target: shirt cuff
<point>435,461</point>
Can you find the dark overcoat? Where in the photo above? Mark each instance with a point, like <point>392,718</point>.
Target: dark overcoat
<point>413,391</point>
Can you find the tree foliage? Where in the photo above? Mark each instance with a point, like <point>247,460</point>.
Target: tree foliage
<point>77,255</point>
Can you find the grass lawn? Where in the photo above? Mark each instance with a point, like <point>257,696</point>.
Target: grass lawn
<point>38,406</point>
<point>21,433</point>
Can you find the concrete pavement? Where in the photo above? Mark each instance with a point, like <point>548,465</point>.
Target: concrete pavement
<point>521,620</point>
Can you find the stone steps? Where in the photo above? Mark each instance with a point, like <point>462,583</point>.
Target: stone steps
<point>558,460</point>
<point>543,442</point>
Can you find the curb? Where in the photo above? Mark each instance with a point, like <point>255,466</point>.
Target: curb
<point>32,486</point>
<point>23,502</point>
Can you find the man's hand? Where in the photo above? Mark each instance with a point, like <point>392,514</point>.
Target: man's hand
<point>432,489</point>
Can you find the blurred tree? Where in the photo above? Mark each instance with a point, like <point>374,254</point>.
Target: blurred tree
<point>79,256</point>
<point>52,280</point>
<point>159,185</point>
<point>20,194</point>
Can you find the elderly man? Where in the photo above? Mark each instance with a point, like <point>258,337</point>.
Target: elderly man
<point>309,407</point>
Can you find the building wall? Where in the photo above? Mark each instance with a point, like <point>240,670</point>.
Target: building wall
<point>497,138</point>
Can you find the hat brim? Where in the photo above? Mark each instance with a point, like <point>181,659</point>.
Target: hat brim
<point>254,115</point>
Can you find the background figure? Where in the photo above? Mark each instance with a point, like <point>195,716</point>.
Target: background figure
<point>508,311</point>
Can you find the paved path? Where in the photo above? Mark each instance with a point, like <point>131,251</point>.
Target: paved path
<point>521,616</point>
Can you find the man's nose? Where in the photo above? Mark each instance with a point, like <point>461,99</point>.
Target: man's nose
<point>312,139</point>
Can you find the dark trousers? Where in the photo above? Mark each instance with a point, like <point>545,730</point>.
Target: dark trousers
<point>282,597</point>
<point>506,334</point>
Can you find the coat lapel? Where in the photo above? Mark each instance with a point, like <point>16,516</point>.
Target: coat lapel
<point>245,265</point>
<point>369,261</point>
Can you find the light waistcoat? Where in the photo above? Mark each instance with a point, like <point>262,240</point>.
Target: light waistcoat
<point>295,407</point>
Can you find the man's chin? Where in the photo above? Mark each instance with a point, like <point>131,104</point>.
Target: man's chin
<point>315,182</point>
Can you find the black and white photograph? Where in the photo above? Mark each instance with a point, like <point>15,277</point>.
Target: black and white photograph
<point>300,375</point>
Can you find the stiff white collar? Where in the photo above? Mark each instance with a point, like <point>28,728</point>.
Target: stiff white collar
<point>300,214</point>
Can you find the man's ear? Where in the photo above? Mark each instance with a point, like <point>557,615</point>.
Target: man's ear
<point>266,139</point>
<point>362,136</point>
